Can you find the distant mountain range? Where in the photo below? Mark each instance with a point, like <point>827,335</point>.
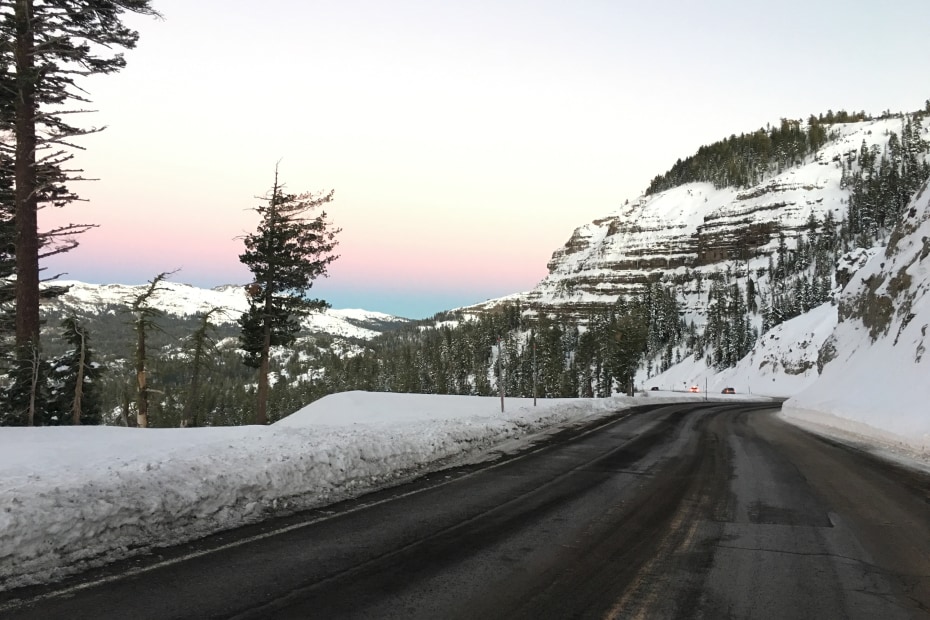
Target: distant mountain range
<point>183,300</point>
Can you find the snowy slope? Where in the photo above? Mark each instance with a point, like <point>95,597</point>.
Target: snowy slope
<point>880,345</point>
<point>862,378</point>
<point>782,363</point>
<point>185,300</point>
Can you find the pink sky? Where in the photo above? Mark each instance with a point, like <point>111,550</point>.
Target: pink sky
<point>376,266</point>
<point>465,141</point>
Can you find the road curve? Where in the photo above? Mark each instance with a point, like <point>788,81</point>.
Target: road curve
<point>678,511</point>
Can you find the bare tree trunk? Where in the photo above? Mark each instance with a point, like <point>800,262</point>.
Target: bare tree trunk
<point>33,384</point>
<point>124,411</point>
<point>25,197</point>
<point>79,387</point>
<point>142,395</point>
<point>261,416</point>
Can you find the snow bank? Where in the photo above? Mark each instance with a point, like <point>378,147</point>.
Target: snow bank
<point>76,497</point>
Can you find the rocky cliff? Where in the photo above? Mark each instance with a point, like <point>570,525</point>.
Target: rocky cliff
<point>696,228</point>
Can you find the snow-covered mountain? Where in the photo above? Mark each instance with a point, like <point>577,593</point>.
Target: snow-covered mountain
<point>696,227</point>
<point>184,300</point>
<point>858,366</point>
<point>837,362</point>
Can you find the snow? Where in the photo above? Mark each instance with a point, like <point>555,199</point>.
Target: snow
<point>79,496</point>
<point>876,388</point>
<point>643,237</point>
<point>185,300</point>
<point>872,392</point>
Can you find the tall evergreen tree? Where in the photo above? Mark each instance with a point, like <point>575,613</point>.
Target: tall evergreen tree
<point>46,46</point>
<point>288,251</point>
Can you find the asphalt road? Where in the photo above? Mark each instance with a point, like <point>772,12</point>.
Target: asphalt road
<point>680,511</point>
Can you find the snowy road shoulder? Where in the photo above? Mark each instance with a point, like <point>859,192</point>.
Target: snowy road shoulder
<point>78,497</point>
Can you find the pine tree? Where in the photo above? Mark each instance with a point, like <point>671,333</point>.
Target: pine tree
<point>288,251</point>
<point>46,46</point>
<point>74,394</point>
<point>144,317</point>
<point>627,345</point>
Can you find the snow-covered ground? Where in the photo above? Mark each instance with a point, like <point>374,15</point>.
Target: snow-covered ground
<point>75,496</point>
<point>876,387</point>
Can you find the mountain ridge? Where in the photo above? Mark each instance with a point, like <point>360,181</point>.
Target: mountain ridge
<point>672,233</point>
<point>185,300</point>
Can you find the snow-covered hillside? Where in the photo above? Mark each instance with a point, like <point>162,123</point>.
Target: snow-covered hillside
<point>855,369</point>
<point>878,350</point>
<point>870,341</point>
<point>184,300</point>
<point>696,227</point>
<point>782,363</point>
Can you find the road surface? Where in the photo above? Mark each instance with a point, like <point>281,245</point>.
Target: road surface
<point>679,511</point>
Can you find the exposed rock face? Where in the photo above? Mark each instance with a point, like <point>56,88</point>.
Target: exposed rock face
<point>697,228</point>
<point>888,290</point>
<point>689,227</point>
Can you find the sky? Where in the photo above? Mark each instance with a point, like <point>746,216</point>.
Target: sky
<point>465,141</point>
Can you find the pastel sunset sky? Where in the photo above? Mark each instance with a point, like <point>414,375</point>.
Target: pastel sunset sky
<point>465,141</point>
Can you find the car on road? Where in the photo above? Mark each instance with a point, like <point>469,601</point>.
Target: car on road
<point>654,389</point>
<point>728,390</point>
<point>694,388</point>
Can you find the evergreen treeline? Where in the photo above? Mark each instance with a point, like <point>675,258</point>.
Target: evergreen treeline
<point>746,159</point>
<point>530,354</point>
<point>801,279</point>
<point>884,181</point>
<point>224,394</point>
